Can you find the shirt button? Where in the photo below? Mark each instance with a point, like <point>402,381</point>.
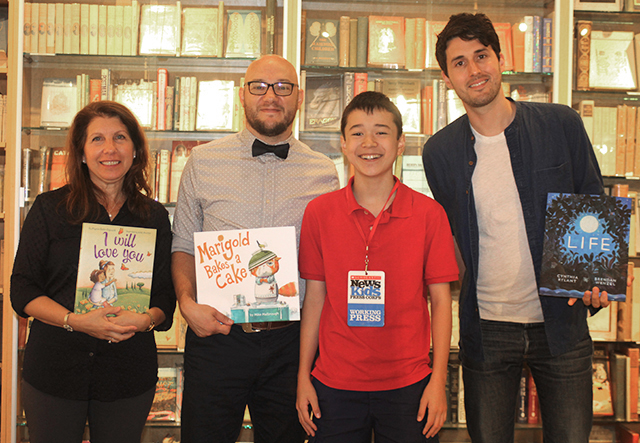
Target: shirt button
<point>366,212</point>
<point>471,163</point>
<point>370,228</point>
<point>90,354</point>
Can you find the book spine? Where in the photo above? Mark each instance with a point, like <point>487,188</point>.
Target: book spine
<point>454,390</point>
<point>26,30</point>
<point>409,39</point>
<point>348,87</point>
<point>360,82</point>
<point>533,415</point>
<point>528,44</point>
<point>220,42</point>
<point>521,412</point>
<point>303,36</point>
<point>93,28</point>
<point>127,25</point>
<point>343,42</point>
<point>420,42</point>
<point>193,94</point>
<point>518,47</point>
<point>51,28</point>
<point>35,23</point>
<point>176,104</point>
<point>68,29</point>
<point>102,29</point>
<point>621,140</point>
<point>59,45</point>
<point>547,45</point>
<point>163,78</point>
<point>105,84</point>
<point>95,90</point>
<point>363,35</point>
<point>630,142</point>
<point>163,183</point>
<point>537,43</point>
<point>135,10</point>
<point>117,30</point>
<point>42,28</point>
<point>583,55</point>
<point>169,96</point>
<point>111,30</point>
<point>271,26</point>
<point>353,42</point>
<point>84,29</point>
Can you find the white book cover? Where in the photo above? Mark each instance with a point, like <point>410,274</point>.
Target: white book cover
<point>94,24</point>
<point>59,102</point>
<point>612,63</point>
<point>249,275</point>
<point>102,30</point>
<point>215,105</point>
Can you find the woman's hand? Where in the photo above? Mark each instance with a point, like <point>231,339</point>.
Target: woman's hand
<point>98,324</point>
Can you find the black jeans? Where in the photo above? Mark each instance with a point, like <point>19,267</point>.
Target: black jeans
<point>224,373</point>
<point>59,420</point>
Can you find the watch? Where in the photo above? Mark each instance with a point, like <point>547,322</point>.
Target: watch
<point>152,324</point>
<point>65,323</point>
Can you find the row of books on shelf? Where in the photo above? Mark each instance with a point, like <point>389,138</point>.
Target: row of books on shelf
<point>615,382</point>
<point>425,108</point>
<point>614,132</point>
<point>409,42</point>
<point>144,29</point>
<point>188,104</point>
<point>606,59</point>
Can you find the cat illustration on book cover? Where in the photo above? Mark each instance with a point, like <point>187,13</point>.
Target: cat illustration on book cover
<point>264,264</point>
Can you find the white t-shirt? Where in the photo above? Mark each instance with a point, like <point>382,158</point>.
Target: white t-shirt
<point>507,289</point>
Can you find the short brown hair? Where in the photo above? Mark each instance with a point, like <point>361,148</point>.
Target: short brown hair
<point>468,27</point>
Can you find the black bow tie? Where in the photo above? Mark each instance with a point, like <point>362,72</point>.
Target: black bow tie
<point>260,148</point>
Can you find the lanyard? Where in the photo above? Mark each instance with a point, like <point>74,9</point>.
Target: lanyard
<point>367,240</point>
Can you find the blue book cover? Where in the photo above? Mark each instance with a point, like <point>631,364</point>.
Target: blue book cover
<point>586,244</point>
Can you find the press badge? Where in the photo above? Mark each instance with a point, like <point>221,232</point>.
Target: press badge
<point>365,304</point>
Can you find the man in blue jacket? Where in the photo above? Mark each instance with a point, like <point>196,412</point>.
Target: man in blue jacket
<point>491,170</point>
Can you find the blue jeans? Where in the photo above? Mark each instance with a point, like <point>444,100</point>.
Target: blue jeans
<point>351,416</point>
<point>563,382</point>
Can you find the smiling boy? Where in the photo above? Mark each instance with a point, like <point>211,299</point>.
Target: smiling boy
<point>368,253</point>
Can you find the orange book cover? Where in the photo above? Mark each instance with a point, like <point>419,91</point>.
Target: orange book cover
<point>517,37</point>
<point>95,90</point>
<point>360,80</point>
<point>386,41</point>
<point>58,164</point>
<point>506,44</point>
<point>427,110</point>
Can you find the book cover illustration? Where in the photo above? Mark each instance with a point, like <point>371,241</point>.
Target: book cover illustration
<point>165,401</point>
<point>586,244</point>
<point>323,103</point>
<point>244,29</point>
<point>249,275</point>
<point>322,42</point>
<point>115,266</point>
<point>602,405</point>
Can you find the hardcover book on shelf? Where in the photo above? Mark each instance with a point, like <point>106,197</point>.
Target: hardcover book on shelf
<point>160,27</point>
<point>59,102</point>
<point>386,41</point>
<point>405,93</point>
<point>115,267</point>
<point>413,176</point>
<point>200,32</point>
<point>180,151</point>
<point>58,160</point>
<point>249,275</point>
<point>165,401</point>
<point>138,97</point>
<point>321,42</point>
<point>323,103</point>
<point>215,105</point>
<point>433,29</point>
<point>612,63</point>
<point>244,29</point>
<point>585,245</point>
<point>506,48</point>
<point>602,405</point>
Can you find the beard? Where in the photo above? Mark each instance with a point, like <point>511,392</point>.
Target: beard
<point>270,128</point>
<point>478,101</point>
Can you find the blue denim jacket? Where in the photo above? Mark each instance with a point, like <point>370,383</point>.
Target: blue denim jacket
<point>550,152</point>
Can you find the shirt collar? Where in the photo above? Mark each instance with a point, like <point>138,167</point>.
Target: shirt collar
<point>400,207</point>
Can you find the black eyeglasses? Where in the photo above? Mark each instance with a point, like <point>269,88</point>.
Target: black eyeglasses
<point>283,89</point>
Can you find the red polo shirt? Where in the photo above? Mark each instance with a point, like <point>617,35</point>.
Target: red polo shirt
<point>414,247</point>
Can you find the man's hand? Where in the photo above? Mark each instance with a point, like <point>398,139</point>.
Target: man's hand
<point>204,320</point>
<point>593,298</point>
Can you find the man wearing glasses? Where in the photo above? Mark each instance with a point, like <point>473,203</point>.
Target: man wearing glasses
<point>260,177</point>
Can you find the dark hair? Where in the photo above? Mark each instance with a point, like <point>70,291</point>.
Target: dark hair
<point>82,201</point>
<point>468,27</point>
<point>368,102</point>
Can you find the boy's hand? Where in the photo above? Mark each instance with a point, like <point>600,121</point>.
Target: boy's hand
<point>307,397</point>
<point>434,399</point>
